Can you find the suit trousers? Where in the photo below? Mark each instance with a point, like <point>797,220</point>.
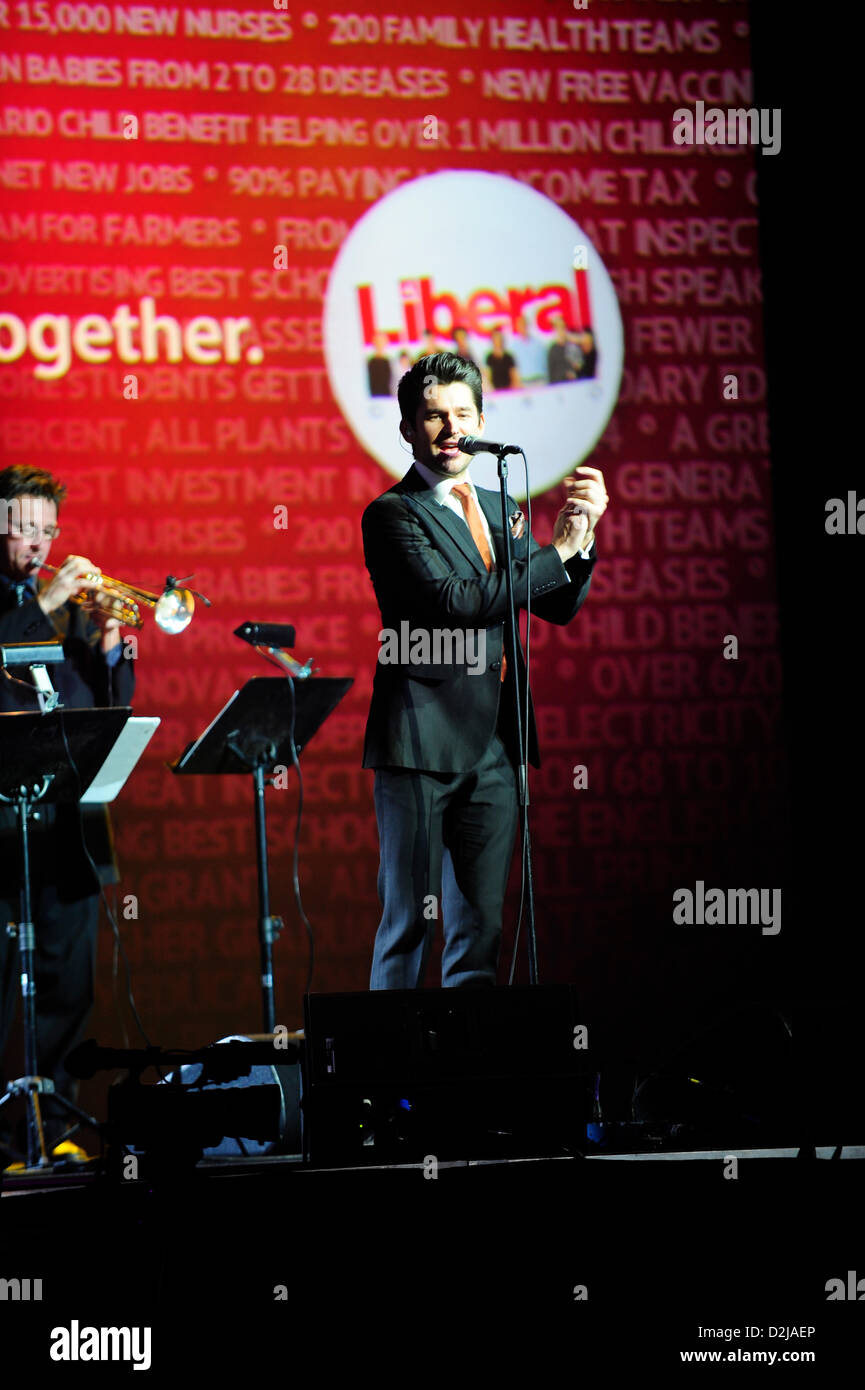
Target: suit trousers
<point>65,957</point>
<point>446,841</point>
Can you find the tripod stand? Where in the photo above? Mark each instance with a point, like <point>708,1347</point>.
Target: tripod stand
<point>69,747</point>
<point>252,733</point>
<point>31,1085</point>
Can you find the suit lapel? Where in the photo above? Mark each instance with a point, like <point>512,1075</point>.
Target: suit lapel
<point>414,486</point>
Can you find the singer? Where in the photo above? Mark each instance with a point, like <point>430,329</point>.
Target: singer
<point>442,738</point>
<point>65,891</point>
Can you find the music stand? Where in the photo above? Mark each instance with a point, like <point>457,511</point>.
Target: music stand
<point>253,733</point>
<point>31,740</point>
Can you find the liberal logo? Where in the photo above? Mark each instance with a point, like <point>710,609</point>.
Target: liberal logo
<point>484,266</point>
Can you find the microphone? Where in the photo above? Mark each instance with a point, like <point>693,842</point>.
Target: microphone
<point>473,444</point>
<point>266,634</point>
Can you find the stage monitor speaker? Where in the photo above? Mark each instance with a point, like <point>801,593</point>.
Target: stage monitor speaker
<point>397,1076</point>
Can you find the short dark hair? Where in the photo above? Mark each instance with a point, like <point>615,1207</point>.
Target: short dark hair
<point>21,481</point>
<point>446,368</point>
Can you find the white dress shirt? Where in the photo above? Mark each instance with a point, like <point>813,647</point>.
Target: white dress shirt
<point>442,491</point>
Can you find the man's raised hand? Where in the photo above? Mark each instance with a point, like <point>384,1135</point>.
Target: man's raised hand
<point>586,504</point>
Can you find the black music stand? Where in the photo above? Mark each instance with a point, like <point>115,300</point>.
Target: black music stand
<point>31,741</point>
<point>253,732</point>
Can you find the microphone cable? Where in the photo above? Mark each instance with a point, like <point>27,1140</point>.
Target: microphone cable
<point>524,816</point>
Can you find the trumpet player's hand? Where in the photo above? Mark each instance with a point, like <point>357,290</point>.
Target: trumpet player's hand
<point>74,575</point>
<point>109,628</point>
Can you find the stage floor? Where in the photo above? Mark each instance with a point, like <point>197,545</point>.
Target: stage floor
<point>272,1265</point>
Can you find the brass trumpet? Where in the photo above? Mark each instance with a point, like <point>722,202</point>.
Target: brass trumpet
<point>172,610</point>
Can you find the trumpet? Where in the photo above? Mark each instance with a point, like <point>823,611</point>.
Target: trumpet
<point>172,609</point>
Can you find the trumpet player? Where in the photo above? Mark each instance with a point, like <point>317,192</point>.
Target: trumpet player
<point>65,891</point>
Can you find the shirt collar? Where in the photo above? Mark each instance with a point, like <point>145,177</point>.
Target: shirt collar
<point>440,487</point>
<point>29,583</point>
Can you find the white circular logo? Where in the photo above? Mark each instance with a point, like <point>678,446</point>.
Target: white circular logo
<point>485,266</point>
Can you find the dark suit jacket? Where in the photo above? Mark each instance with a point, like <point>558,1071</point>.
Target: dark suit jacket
<point>84,681</point>
<point>427,571</point>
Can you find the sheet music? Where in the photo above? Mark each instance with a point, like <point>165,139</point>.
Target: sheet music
<point>187,752</point>
<point>134,738</point>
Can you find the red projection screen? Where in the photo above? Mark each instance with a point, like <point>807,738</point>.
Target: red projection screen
<point>224,232</point>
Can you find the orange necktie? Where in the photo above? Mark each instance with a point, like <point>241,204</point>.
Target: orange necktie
<point>475,525</point>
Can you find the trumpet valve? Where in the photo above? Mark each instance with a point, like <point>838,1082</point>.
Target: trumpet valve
<point>119,606</point>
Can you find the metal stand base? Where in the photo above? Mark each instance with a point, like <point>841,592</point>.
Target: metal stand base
<point>32,1088</point>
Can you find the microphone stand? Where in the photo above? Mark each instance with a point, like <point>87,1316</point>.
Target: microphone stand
<point>522,751</point>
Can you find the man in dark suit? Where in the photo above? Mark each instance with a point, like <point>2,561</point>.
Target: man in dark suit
<point>441,728</point>
<point>65,890</point>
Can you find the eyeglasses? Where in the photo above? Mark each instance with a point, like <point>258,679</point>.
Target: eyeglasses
<point>29,531</point>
